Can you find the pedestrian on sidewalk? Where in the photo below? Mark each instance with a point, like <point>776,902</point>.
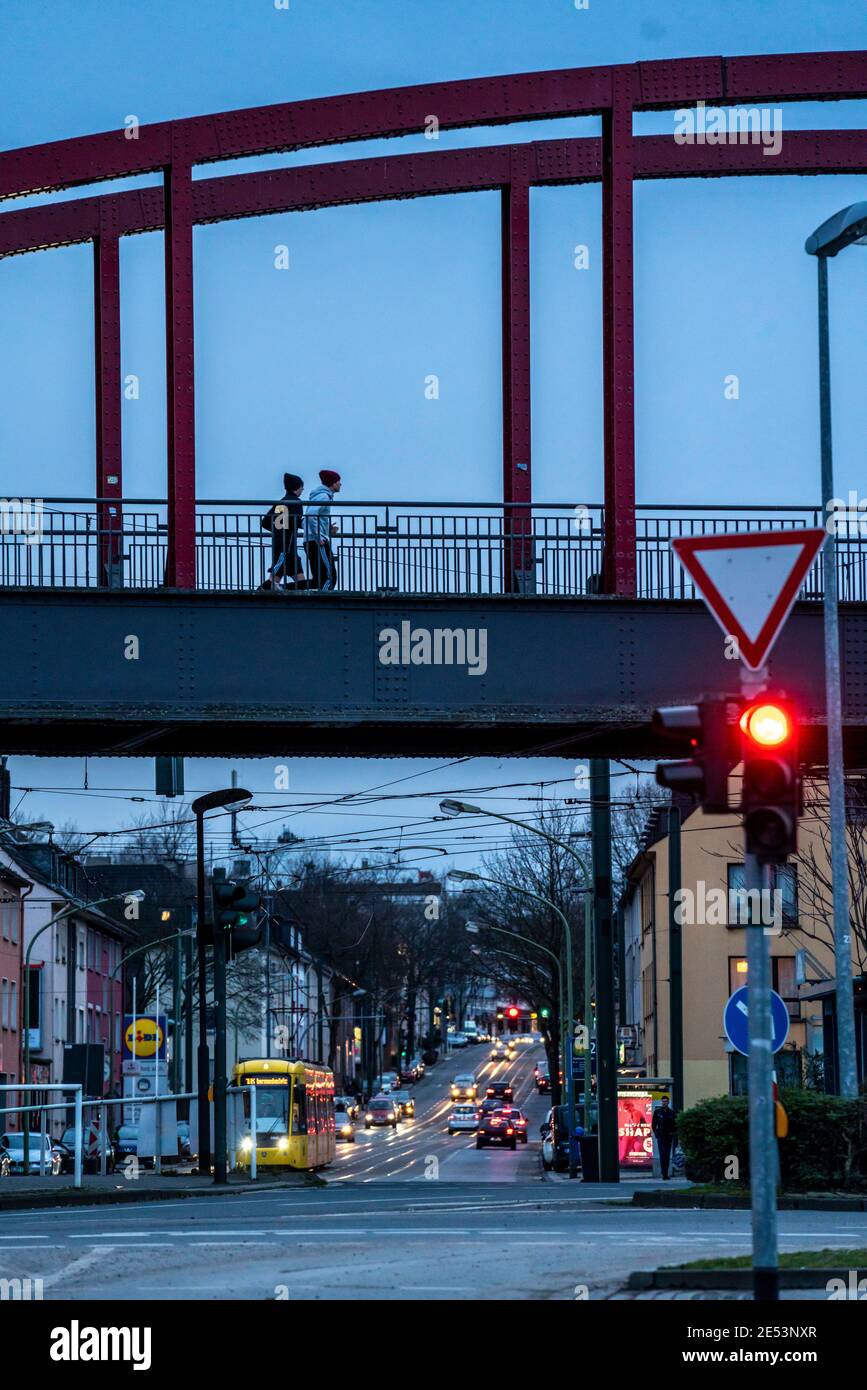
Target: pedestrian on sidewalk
<point>319,530</point>
<point>284,521</point>
<point>664,1126</point>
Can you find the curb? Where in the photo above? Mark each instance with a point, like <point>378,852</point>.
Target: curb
<point>80,1197</point>
<point>724,1279</point>
<point>714,1201</point>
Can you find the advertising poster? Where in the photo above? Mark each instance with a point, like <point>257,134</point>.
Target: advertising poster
<point>635,1137</point>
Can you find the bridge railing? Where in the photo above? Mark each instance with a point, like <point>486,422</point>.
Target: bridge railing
<point>391,547</point>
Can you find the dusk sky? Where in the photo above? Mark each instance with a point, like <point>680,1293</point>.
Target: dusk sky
<point>323,365</point>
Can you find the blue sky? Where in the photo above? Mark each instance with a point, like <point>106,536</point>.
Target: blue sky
<point>324,364</point>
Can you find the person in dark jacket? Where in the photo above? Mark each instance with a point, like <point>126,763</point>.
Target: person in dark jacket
<point>664,1126</point>
<point>284,521</point>
<point>319,530</point>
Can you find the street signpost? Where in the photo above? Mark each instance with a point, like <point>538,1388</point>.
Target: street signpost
<point>736,1020</point>
<point>750,581</point>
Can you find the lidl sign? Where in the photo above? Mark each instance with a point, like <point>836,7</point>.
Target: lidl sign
<point>144,1037</point>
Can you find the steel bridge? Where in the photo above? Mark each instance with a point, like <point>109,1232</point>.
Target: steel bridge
<point>588,622</point>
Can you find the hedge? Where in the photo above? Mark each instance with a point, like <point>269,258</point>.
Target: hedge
<point>825,1149</point>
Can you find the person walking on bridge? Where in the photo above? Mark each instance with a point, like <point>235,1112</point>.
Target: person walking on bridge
<point>284,521</point>
<point>319,530</point>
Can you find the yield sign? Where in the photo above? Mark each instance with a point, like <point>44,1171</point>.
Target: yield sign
<point>749,581</point>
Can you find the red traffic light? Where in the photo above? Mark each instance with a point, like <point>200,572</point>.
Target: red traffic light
<point>767,725</point>
<point>512,1012</point>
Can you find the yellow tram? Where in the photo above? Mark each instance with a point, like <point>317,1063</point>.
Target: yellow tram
<point>294,1112</point>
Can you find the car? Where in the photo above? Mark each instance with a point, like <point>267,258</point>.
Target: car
<point>519,1120</point>
<point>499,1052</point>
<point>12,1154</point>
<point>555,1136</point>
<point>490,1104</point>
<point>126,1141</point>
<point>347,1105</point>
<point>419,1064</point>
<point>388,1078</point>
<point>543,1078</point>
<point>91,1157</point>
<point>343,1127</point>
<point>463,1117</point>
<point>458,1039</point>
<point>406,1106</point>
<point>499,1090</point>
<point>408,1074</point>
<point>464,1086</point>
<point>185,1146</point>
<point>496,1128</point>
<point>382,1110</point>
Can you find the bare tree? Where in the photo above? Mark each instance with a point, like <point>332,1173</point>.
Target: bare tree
<point>166,838</point>
<point>813,861</point>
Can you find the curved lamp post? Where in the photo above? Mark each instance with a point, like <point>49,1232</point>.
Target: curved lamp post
<point>69,911</point>
<point>466,875</point>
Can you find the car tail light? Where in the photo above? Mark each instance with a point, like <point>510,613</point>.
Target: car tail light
<point>510,1131</point>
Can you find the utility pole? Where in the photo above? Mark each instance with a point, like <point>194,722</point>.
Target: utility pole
<point>675,959</point>
<point>606,1032</point>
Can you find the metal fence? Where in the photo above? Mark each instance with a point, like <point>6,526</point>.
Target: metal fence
<point>394,548</point>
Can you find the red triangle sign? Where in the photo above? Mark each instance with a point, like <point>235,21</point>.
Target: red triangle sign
<point>750,580</point>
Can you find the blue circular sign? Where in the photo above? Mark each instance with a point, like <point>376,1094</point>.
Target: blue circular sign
<point>736,1022</point>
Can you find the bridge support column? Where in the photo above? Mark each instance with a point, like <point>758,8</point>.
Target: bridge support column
<point>180,376</point>
<point>109,477</point>
<point>518,560</point>
<point>618,310</point>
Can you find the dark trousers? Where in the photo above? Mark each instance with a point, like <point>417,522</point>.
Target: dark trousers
<point>665,1147</point>
<point>321,565</point>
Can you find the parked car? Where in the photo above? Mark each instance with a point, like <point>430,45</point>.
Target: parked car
<point>463,1117</point>
<point>555,1136</point>
<point>126,1142</point>
<point>12,1154</point>
<point>464,1086</point>
<point>496,1128</point>
<point>91,1160</point>
<point>382,1110</point>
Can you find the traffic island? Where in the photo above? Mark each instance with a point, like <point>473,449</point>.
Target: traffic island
<point>19,1193</point>
<point>835,1272</point>
<point>719,1198</point>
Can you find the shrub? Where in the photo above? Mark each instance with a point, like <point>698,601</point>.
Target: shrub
<point>825,1149</point>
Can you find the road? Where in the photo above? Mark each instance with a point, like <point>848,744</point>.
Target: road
<point>391,1224</point>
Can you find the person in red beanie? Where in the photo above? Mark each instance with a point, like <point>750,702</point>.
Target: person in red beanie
<point>318,532</point>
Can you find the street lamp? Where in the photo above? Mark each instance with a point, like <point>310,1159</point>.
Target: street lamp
<point>211,801</point>
<point>69,911</point>
<point>846,228</point>
<point>466,875</point>
<point>606,1056</point>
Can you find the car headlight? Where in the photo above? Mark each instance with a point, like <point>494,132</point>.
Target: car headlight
<point>246,1144</point>
<point>368,1117</point>
<point>346,1129</point>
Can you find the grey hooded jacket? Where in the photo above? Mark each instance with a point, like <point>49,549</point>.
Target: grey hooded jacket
<point>317,514</point>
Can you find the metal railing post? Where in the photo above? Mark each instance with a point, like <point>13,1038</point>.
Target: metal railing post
<point>79,1137</point>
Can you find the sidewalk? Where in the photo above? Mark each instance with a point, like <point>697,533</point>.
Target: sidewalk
<point>19,1193</point>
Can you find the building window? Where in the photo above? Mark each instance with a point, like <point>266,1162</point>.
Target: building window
<point>782,980</point>
<point>13,1006</point>
<point>4,1004</point>
<point>748,909</point>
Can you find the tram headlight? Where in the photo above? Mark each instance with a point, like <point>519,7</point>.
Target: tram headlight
<point>246,1144</point>
<point>283,1144</point>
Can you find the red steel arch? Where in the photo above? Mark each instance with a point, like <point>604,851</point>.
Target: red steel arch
<point>617,159</point>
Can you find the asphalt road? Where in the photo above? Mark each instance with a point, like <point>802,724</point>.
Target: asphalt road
<point>390,1225</point>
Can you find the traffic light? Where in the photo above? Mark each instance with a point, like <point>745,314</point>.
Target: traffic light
<point>236,908</point>
<point>544,1013</point>
<point>708,728</point>
<point>771,799</point>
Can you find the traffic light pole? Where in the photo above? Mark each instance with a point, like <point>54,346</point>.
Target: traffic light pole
<point>606,1038</point>
<point>675,959</point>
<point>761,1100</point>
<point>203,1057</point>
<point>220,1163</point>
<point>845,1007</point>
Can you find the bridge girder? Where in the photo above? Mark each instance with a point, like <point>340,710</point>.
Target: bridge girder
<point>232,674</point>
